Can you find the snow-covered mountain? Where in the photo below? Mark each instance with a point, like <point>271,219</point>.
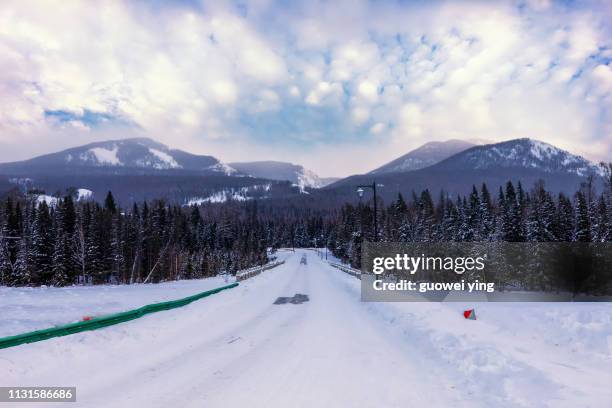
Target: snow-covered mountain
<point>521,153</point>
<point>119,156</point>
<point>524,160</point>
<point>424,156</point>
<point>275,170</point>
<point>138,169</point>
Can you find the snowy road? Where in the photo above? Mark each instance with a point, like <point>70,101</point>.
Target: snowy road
<point>239,349</point>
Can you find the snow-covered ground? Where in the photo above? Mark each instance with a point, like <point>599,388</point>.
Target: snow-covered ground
<point>238,348</point>
<point>28,309</point>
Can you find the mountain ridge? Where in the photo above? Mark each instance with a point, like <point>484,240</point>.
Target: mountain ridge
<point>522,152</point>
<point>279,170</point>
<point>149,169</point>
<point>115,156</point>
<point>526,160</point>
<point>423,156</point>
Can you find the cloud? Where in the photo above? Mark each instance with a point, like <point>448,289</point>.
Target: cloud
<point>305,78</point>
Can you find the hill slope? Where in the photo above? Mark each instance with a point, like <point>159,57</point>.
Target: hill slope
<point>275,170</point>
<point>134,156</point>
<point>424,156</point>
<point>524,160</point>
<point>138,169</point>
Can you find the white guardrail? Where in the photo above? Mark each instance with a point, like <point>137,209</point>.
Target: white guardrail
<point>256,270</point>
<point>347,269</point>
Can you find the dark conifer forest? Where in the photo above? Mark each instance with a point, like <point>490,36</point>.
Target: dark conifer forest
<point>73,242</point>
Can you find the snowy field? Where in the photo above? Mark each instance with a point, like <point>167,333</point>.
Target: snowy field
<point>239,349</point>
<point>28,309</point>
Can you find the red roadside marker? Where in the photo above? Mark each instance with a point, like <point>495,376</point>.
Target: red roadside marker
<point>470,314</point>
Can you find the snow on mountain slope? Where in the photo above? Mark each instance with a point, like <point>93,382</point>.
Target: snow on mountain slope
<point>424,156</point>
<point>238,348</point>
<point>141,153</point>
<point>79,194</point>
<point>307,178</point>
<point>522,153</point>
<point>232,194</point>
<point>274,170</point>
<point>138,153</point>
<point>223,168</point>
<point>165,161</point>
<point>219,197</point>
<point>520,160</point>
<point>99,156</point>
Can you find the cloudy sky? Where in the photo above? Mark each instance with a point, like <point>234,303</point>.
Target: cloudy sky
<point>339,86</point>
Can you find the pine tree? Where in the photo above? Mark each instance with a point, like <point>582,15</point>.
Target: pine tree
<point>602,228</point>
<point>63,266</point>
<point>68,221</point>
<point>78,243</point>
<point>511,216</point>
<point>7,277</point>
<point>109,203</point>
<point>474,217</point>
<point>450,222</point>
<point>487,221</point>
<point>425,219</point>
<point>42,245</point>
<point>11,229</point>
<point>62,271</point>
<point>23,275</point>
<point>117,260</point>
<point>564,222</point>
<point>541,216</point>
<point>582,232</point>
<point>94,254</point>
<point>400,204</point>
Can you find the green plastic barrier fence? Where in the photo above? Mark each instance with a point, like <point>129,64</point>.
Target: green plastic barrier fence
<point>104,321</point>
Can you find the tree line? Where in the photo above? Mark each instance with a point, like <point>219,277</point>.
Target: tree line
<point>68,242</point>
<point>511,215</point>
<point>71,242</point>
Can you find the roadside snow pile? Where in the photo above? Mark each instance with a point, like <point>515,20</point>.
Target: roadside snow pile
<point>516,350</point>
<point>513,352</point>
<point>28,309</point>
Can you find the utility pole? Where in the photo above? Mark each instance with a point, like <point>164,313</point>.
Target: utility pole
<point>360,191</point>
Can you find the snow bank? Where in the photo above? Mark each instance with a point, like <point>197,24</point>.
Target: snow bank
<point>514,354</point>
<point>28,309</point>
